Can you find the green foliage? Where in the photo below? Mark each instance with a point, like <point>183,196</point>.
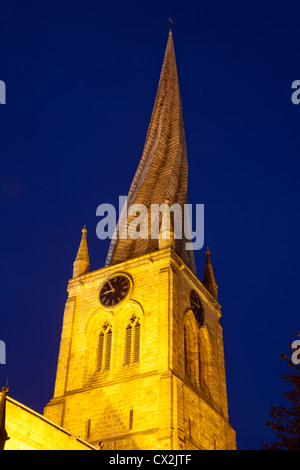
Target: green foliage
<point>285,420</point>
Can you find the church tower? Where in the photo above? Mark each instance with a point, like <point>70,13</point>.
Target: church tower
<point>141,360</point>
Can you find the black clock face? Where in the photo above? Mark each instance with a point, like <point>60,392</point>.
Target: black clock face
<point>114,291</point>
<point>196,306</point>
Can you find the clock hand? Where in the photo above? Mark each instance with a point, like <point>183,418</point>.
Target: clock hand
<point>111,286</point>
<point>108,291</point>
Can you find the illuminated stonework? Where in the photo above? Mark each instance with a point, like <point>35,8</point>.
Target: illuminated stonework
<point>28,430</point>
<point>174,395</point>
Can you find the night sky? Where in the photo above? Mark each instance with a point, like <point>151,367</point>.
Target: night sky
<point>81,79</point>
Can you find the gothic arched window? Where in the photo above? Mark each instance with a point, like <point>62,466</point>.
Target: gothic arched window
<point>191,349</point>
<point>187,352</point>
<point>132,341</point>
<point>104,348</point>
<point>205,359</point>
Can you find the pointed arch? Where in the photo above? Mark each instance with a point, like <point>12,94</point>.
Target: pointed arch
<point>103,358</point>
<point>191,348</point>
<point>205,359</point>
<point>128,329</point>
<point>99,332</point>
<point>132,341</point>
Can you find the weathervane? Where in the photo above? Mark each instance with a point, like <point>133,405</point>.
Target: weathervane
<point>171,22</point>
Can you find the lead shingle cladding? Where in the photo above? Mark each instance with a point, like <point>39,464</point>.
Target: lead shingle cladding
<point>162,174</point>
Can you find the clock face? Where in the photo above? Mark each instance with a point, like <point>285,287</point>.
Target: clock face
<point>196,306</point>
<point>114,291</point>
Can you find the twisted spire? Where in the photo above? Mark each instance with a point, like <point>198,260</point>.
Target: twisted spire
<point>162,173</point>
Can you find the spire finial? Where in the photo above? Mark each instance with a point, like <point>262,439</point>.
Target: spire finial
<point>209,280</point>
<point>3,433</point>
<point>81,264</point>
<point>5,389</point>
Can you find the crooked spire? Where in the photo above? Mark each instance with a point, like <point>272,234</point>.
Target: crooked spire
<point>162,173</point>
<point>81,264</point>
<point>209,280</point>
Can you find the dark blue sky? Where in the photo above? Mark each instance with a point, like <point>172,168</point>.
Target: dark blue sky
<point>81,80</point>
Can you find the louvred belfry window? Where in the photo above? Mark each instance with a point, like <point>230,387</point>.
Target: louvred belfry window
<point>104,348</point>
<point>132,341</point>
